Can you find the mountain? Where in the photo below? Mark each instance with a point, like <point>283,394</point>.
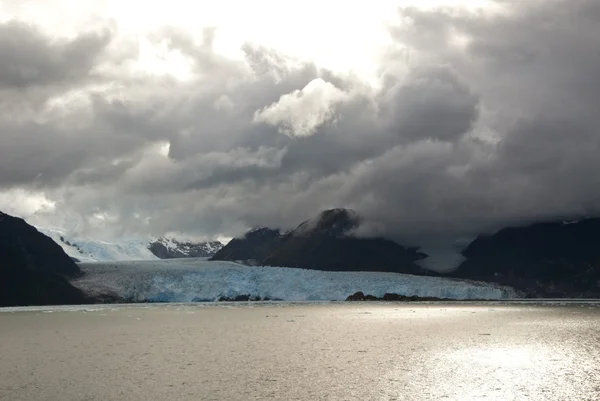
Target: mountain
<point>255,246</point>
<point>34,269</point>
<point>90,249</point>
<point>324,242</point>
<point>70,231</point>
<point>168,248</point>
<point>550,259</point>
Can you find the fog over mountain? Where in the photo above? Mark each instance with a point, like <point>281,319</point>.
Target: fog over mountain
<point>464,120</point>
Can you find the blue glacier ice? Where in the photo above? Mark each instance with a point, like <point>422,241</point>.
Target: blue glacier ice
<point>188,280</point>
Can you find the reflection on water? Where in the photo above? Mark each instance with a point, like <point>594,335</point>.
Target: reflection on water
<point>301,352</point>
<point>530,358</point>
<point>502,373</point>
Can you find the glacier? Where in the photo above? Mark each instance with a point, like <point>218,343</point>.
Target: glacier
<point>87,249</point>
<point>198,279</point>
<point>69,231</point>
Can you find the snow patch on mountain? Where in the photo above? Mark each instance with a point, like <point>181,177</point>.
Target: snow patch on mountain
<point>188,280</point>
<point>71,232</point>
<point>86,249</point>
<point>169,248</point>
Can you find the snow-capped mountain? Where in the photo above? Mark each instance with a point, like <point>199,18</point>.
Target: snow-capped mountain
<point>169,248</point>
<point>69,234</point>
<point>81,238</point>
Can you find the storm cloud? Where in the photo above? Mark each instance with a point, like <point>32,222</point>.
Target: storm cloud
<point>477,121</point>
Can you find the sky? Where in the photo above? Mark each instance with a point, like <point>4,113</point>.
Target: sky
<point>431,119</point>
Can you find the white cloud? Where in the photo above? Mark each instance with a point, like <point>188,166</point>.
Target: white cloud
<point>301,112</point>
<point>22,203</point>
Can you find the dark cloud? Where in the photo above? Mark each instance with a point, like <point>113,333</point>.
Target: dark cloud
<point>482,120</point>
<point>433,103</point>
<point>29,58</point>
<point>531,68</point>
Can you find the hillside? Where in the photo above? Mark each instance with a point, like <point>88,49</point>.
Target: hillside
<point>324,242</point>
<point>34,269</point>
<point>550,259</point>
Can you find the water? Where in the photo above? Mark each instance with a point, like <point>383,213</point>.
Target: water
<point>342,351</point>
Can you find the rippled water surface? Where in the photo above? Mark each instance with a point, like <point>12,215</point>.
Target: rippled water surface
<point>302,352</point>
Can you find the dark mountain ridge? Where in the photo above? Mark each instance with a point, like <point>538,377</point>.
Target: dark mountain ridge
<point>548,259</point>
<point>33,268</point>
<point>324,242</point>
<point>256,245</point>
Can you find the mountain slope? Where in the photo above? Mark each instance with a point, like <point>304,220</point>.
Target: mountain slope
<point>324,243</point>
<point>33,268</point>
<point>546,259</point>
<point>168,248</point>
<point>255,245</point>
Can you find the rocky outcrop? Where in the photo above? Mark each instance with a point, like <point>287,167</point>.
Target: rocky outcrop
<point>391,297</point>
<point>34,270</point>
<point>552,259</point>
<point>324,242</point>
<point>360,296</point>
<point>165,248</point>
<point>246,298</point>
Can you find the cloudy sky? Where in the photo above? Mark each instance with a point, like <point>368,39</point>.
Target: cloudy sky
<point>433,119</point>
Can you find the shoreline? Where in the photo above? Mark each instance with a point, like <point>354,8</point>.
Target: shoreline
<point>253,304</point>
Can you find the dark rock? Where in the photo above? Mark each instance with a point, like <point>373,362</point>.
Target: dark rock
<point>34,270</point>
<point>246,298</point>
<point>394,297</point>
<point>391,297</point>
<point>197,299</point>
<point>159,250</point>
<point>357,296</point>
